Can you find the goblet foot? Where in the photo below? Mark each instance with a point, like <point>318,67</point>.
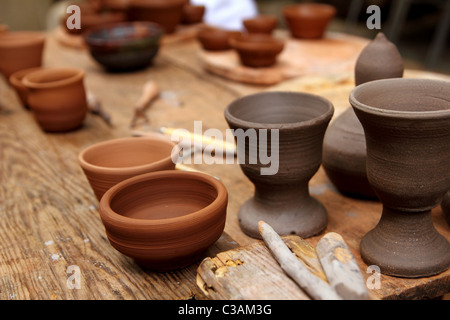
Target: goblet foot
<point>406,244</point>
<point>305,217</point>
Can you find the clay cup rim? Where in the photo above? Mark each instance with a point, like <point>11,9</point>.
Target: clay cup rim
<point>21,39</point>
<point>309,10</point>
<point>16,78</point>
<point>48,78</point>
<point>257,43</point>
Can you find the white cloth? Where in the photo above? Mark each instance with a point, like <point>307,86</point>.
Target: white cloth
<point>227,14</point>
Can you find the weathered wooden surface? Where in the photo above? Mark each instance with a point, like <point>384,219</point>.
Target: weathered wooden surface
<point>49,215</point>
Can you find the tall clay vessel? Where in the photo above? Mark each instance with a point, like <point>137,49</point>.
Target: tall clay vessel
<point>344,151</point>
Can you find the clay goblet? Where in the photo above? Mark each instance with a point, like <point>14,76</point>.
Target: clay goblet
<point>281,197</point>
<point>407,128</point>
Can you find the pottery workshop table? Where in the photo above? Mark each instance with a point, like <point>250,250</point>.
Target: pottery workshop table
<point>49,216</point>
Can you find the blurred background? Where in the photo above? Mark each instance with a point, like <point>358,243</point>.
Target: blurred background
<point>420,28</point>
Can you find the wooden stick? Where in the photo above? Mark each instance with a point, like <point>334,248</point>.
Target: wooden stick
<point>341,268</point>
<point>150,92</point>
<point>95,107</point>
<point>312,285</point>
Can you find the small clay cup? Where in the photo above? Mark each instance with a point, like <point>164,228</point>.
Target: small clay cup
<point>193,14</point>
<point>20,50</point>
<point>445,204</point>
<point>261,24</point>
<point>16,82</point>
<point>107,163</point>
<point>281,199</point>
<point>257,50</point>
<point>57,97</point>
<point>308,20</point>
<point>165,220</point>
<point>407,128</point>
<point>167,13</point>
<point>214,39</point>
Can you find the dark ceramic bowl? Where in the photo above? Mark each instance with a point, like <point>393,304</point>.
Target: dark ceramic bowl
<point>261,24</point>
<point>214,39</point>
<point>125,46</point>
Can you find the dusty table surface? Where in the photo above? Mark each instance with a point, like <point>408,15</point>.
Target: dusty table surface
<point>49,220</point>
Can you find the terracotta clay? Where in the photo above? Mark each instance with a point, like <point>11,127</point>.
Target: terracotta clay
<point>282,200</point>
<point>407,129</point>
<point>16,82</point>
<point>167,13</point>
<point>165,220</point>
<point>344,146</point>
<point>107,163</point>
<point>20,50</point>
<point>192,14</point>
<point>257,50</point>
<point>308,20</point>
<point>214,39</point>
<point>445,204</point>
<point>91,20</point>
<point>261,24</point>
<point>57,97</point>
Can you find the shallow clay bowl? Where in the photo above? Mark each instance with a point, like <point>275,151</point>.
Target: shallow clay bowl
<point>165,220</point>
<point>124,46</point>
<point>308,20</point>
<point>107,163</point>
<point>16,82</point>
<point>193,14</point>
<point>261,24</point>
<point>214,39</point>
<point>257,50</point>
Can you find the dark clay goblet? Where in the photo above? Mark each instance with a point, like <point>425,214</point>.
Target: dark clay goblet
<point>407,128</point>
<point>281,199</point>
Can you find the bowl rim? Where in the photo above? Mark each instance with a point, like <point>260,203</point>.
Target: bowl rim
<point>112,218</point>
<point>16,78</point>
<point>356,104</point>
<point>293,12</point>
<point>123,170</point>
<point>268,43</point>
<point>29,38</point>
<point>77,74</point>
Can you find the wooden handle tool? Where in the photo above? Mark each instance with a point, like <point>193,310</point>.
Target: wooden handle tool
<point>150,92</point>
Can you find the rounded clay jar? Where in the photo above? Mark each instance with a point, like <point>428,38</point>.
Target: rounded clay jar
<point>165,220</point>
<point>57,97</point>
<point>107,163</point>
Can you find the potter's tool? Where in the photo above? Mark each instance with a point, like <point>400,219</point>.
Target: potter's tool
<point>95,107</point>
<point>150,91</point>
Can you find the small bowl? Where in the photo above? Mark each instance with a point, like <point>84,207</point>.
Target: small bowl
<point>261,24</point>
<point>193,14</point>
<point>308,20</point>
<point>165,220</point>
<point>125,46</point>
<point>16,82</point>
<point>257,50</point>
<point>90,20</point>
<point>107,163</point>
<point>214,39</point>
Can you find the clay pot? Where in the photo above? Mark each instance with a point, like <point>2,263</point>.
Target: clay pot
<point>126,46</point>
<point>214,39</point>
<point>167,13</point>
<point>107,163</point>
<point>257,50</point>
<point>281,199</point>
<point>193,14</point>
<point>445,204</point>
<point>407,129</point>
<point>20,50</point>
<point>344,146</point>
<point>16,82</point>
<point>261,24</point>
<point>308,20</point>
<point>57,98</point>
<point>93,20</point>
<point>165,220</point>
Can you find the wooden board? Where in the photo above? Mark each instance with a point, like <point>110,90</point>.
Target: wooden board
<point>334,54</point>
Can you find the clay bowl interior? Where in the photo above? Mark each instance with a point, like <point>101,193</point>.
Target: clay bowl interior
<point>124,46</point>
<point>308,20</point>
<point>193,13</point>
<point>257,50</point>
<point>261,24</point>
<point>215,39</point>
<point>165,220</point>
<point>16,82</point>
<point>108,163</point>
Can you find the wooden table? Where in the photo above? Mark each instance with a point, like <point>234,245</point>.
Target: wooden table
<point>49,216</point>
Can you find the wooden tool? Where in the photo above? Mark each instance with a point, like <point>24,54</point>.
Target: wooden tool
<point>95,107</point>
<point>150,91</point>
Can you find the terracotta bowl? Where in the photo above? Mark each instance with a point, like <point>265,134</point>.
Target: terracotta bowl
<point>215,39</point>
<point>261,24</point>
<point>257,50</point>
<point>107,163</point>
<point>125,46</point>
<point>308,20</point>
<point>16,82</point>
<point>167,13</point>
<point>57,97</point>
<point>165,220</point>
<point>446,207</point>
<point>193,14</point>
<point>20,50</point>
<point>91,20</point>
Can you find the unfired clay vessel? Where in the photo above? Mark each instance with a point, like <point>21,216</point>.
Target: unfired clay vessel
<point>344,146</point>
<point>407,128</point>
<point>57,97</point>
<point>107,163</point>
<point>193,14</point>
<point>445,204</point>
<point>261,24</point>
<point>214,39</point>
<point>282,199</point>
<point>165,220</point>
<point>16,82</point>
<point>20,50</point>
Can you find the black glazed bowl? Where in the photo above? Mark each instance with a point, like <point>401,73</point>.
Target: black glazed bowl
<point>127,46</point>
